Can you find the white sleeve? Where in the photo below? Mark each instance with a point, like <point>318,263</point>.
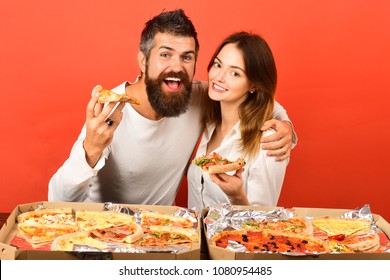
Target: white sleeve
<point>280,113</point>
<point>71,181</point>
<point>265,179</point>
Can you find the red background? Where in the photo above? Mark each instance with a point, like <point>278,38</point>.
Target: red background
<point>332,58</point>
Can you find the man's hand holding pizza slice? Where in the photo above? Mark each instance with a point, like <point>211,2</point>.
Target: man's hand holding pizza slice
<point>103,117</point>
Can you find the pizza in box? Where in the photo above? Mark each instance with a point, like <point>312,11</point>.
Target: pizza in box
<point>66,229</point>
<point>299,235</point>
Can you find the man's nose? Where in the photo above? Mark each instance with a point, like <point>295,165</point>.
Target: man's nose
<point>175,64</point>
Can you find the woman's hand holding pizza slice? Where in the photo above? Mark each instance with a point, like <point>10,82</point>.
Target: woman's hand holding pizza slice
<point>218,168</point>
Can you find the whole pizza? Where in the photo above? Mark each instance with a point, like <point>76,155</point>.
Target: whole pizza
<point>300,235</point>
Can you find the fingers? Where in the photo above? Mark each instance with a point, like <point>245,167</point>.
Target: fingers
<point>280,154</point>
<point>111,110</point>
<point>272,138</point>
<point>283,156</point>
<point>93,106</point>
<point>279,143</point>
<point>279,151</point>
<point>224,177</point>
<point>96,89</point>
<point>214,178</point>
<point>114,119</point>
<point>268,124</point>
<point>276,141</point>
<point>95,109</point>
<point>239,172</point>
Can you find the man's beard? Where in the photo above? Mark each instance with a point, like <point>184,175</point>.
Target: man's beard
<point>168,104</point>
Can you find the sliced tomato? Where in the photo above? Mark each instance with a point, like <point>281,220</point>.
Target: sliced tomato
<point>338,237</point>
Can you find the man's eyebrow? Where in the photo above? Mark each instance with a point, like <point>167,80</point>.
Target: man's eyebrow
<point>231,66</point>
<point>172,49</point>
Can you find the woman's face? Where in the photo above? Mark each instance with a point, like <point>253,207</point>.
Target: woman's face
<point>227,78</point>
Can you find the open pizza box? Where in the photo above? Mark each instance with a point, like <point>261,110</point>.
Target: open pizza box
<point>218,253</point>
<point>9,231</point>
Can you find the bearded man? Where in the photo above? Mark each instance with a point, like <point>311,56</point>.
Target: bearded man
<point>137,154</point>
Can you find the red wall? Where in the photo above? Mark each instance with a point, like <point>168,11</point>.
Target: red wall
<point>333,61</point>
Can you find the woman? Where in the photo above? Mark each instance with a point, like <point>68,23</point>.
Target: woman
<point>242,84</point>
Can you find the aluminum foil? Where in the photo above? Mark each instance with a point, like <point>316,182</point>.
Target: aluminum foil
<point>363,212</point>
<point>90,253</point>
<point>190,214</point>
<point>133,248</point>
<point>223,217</point>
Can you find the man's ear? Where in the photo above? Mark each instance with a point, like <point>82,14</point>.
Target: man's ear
<point>141,61</point>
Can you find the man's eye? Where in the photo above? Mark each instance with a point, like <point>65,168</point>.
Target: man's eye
<point>187,58</point>
<point>165,55</point>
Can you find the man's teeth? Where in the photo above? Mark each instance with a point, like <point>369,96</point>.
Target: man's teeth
<point>173,79</point>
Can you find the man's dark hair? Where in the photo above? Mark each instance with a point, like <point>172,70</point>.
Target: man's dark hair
<point>173,22</point>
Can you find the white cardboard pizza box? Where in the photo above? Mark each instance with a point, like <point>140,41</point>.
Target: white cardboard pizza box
<point>217,253</point>
<point>9,229</point>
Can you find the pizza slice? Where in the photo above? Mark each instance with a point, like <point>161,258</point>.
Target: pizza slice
<point>168,235</point>
<point>68,241</point>
<point>128,233</point>
<point>354,243</point>
<point>215,163</point>
<point>110,226</point>
<point>298,225</point>
<point>37,233</point>
<point>347,226</point>
<point>63,216</point>
<point>107,95</point>
<point>91,220</point>
<point>160,219</point>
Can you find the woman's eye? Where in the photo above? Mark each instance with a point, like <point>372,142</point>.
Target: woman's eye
<point>217,65</point>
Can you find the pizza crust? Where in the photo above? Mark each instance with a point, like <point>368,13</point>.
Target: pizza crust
<point>51,215</point>
<point>168,235</point>
<point>356,243</point>
<point>66,242</point>
<point>148,218</point>
<point>238,164</point>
